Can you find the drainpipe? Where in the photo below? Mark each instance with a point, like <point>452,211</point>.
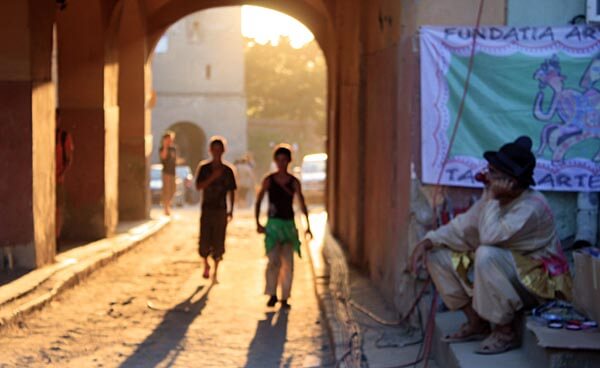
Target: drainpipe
<point>587,219</point>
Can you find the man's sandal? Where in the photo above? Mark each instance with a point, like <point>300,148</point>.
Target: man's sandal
<point>466,334</point>
<point>497,343</point>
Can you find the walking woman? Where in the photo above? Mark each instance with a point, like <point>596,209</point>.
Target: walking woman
<point>281,234</point>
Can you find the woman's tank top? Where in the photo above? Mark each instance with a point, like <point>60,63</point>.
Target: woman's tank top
<point>281,199</point>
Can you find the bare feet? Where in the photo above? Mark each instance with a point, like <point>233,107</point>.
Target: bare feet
<point>206,273</point>
<point>272,301</point>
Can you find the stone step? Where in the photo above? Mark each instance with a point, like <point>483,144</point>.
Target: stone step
<point>461,355</point>
<point>530,355</point>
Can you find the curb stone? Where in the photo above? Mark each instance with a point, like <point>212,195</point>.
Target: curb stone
<point>331,273</point>
<point>71,268</point>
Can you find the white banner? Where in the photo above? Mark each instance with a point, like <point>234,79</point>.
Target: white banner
<point>543,82</point>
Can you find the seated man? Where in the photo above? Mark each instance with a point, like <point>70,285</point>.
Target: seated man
<point>510,237</point>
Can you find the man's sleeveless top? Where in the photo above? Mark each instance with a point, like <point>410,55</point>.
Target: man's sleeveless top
<point>281,199</point>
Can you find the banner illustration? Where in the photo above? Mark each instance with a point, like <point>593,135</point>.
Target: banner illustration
<point>543,82</point>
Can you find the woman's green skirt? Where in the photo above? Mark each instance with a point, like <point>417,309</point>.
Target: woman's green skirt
<point>281,232</point>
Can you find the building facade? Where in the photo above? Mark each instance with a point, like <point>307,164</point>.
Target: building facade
<point>198,79</point>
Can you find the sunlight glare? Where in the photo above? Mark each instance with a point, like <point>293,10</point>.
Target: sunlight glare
<point>266,25</point>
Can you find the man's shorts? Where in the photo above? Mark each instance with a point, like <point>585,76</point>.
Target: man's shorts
<point>213,225</point>
<point>168,188</point>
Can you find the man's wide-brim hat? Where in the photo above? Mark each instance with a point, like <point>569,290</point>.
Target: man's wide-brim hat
<point>514,159</point>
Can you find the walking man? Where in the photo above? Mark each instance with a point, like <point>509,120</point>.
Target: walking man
<point>216,178</point>
<point>281,234</point>
<point>168,158</point>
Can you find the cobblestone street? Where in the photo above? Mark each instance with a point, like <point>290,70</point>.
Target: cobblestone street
<point>152,308</point>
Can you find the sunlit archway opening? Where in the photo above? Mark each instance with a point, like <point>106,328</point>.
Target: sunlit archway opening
<point>253,75</point>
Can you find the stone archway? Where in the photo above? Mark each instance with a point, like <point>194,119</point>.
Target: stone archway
<point>191,142</point>
<point>315,14</point>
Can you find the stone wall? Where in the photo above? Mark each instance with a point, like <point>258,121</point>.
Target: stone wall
<point>27,93</point>
<point>393,126</point>
<point>543,12</point>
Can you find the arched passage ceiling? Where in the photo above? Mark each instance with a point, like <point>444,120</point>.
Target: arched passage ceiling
<point>312,13</point>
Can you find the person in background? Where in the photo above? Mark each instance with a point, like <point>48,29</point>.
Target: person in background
<point>281,234</point>
<point>64,160</point>
<point>168,158</point>
<point>246,181</point>
<point>217,179</point>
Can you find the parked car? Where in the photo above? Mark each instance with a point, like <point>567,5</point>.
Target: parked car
<point>185,173</point>
<point>156,185</point>
<point>313,174</point>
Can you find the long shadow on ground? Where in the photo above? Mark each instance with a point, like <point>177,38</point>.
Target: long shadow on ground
<point>267,346</point>
<point>165,340</point>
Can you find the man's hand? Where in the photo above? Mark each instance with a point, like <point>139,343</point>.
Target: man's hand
<point>308,234</point>
<point>502,188</point>
<point>229,216</point>
<point>418,256</point>
<point>260,229</point>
